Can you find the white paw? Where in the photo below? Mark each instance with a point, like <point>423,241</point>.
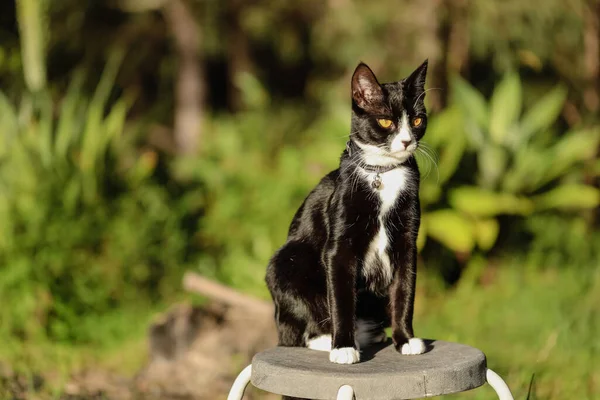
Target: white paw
<point>344,355</point>
<point>413,347</point>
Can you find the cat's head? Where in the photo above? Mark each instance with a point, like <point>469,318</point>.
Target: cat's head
<point>389,119</point>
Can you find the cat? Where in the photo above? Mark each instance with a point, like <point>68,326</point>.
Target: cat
<point>348,268</point>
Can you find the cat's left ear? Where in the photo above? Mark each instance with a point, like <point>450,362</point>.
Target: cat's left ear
<point>416,81</point>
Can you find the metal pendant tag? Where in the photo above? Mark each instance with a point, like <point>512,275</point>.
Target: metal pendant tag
<point>376,182</point>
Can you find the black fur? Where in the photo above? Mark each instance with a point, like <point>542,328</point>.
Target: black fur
<point>316,279</point>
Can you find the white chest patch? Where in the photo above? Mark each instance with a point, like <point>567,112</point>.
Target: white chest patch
<point>392,183</point>
<point>377,260</point>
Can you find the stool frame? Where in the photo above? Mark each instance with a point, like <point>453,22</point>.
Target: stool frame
<point>347,393</point>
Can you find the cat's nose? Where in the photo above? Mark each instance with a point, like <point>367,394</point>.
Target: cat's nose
<point>406,143</point>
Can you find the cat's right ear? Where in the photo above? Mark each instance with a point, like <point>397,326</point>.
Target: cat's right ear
<point>366,91</point>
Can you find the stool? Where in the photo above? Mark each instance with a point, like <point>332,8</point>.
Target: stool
<point>382,373</point>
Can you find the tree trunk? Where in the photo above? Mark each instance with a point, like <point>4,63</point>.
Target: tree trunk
<point>189,88</point>
<point>238,53</point>
<point>431,46</point>
<point>457,54</point>
<point>591,38</point>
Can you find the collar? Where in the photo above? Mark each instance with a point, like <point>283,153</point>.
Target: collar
<point>379,169</point>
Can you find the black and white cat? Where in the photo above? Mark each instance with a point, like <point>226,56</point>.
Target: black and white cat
<point>348,268</point>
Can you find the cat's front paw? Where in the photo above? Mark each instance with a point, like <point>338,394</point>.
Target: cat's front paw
<point>412,347</point>
<point>344,355</point>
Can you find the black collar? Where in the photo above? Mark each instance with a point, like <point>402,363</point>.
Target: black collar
<point>379,169</point>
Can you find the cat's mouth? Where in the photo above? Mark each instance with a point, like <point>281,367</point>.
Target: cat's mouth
<point>403,154</point>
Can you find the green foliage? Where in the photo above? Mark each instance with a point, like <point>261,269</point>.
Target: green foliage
<point>84,230</point>
<point>562,240</point>
<point>523,166</point>
<point>450,228</point>
<point>481,202</point>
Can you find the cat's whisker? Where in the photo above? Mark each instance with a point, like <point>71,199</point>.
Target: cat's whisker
<point>430,152</point>
<point>428,147</point>
<point>427,158</point>
<point>433,156</point>
<point>433,161</point>
<point>423,162</point>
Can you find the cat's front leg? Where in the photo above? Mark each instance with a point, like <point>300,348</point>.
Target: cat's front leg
<point>341,293</point>
<point>402,298</point>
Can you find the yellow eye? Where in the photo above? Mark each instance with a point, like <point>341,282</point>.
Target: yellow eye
<point>384,123</point>
<point>417,121</point>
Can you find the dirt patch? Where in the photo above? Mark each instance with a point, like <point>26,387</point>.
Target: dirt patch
<point>195,353</point>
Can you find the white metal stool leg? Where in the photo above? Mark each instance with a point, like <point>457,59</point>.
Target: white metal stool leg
<point>239,386</point>
<point>498,385</point>
<point>345,393</point>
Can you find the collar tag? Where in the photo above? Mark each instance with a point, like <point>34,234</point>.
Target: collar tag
<point>376,183</point>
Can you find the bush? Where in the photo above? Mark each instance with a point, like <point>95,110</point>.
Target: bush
<point>85,231</point>
<point>501,159</point>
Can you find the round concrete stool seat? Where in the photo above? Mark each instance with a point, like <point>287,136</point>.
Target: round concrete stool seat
<point>382,373</point>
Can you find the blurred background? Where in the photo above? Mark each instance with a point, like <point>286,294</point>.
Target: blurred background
<point>140,139</point>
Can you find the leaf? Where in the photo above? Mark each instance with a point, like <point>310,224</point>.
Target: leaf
<point>471,101</point>
<point>542,114</point>
<point>71,195</point>
<point>45,126</point>
<point>9,123</point>
<point>486,203</point>
<point>108,77</point>
<point>595,170</point>
<point>475,134</point>
<point>570,196</point>
<point>451,229</point>
<point>486,232</point>
<point>68,119</point>
<point>32,16</point>
<point>430,192</point>
<point>450,156</point>
<point>572,148</point>
<point>7,226</point>
<point>114,123</point>
<point>254,95</point>
<point>530,165</point>
<point>441,128</point>
<point>505,107</point>
<point>492,160</point>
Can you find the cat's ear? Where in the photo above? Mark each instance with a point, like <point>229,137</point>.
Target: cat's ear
<point>366,91</point>
<point>416,81</point>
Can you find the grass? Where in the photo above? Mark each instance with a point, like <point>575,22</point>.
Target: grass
<point>527,321</point>
<point>121,350</point>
